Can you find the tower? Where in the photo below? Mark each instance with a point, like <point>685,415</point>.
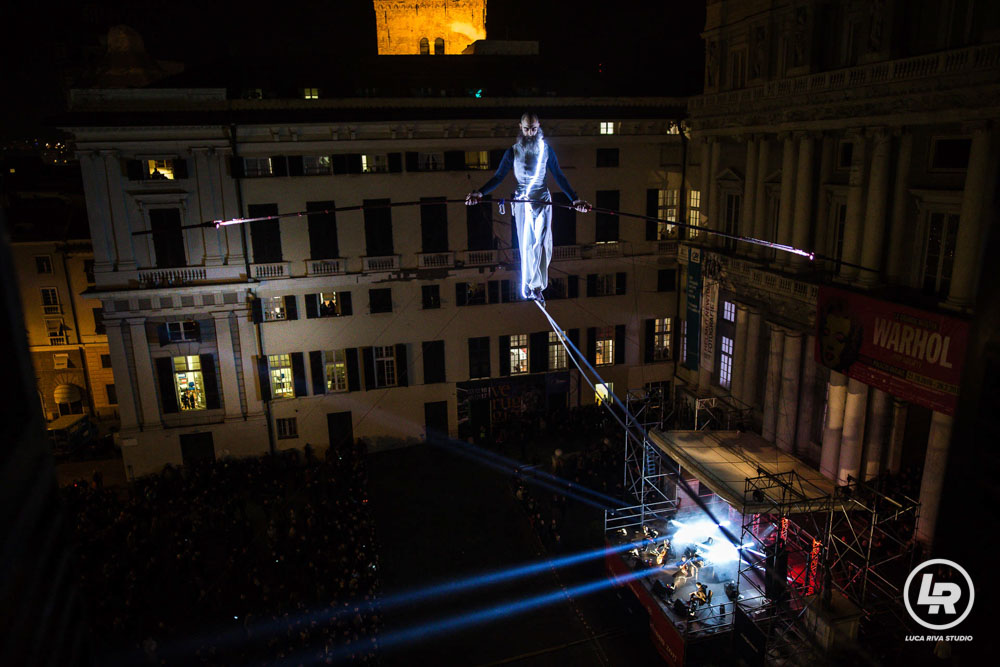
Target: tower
<point>428,27</point>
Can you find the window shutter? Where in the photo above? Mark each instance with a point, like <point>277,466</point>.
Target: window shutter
<point>620,283</point>
<point>133,169</point>
<point>368,361</point>
<point>574,338</point>
<point>652,205</point>
<point>210,381</point>
<point>318,372</point>
<point>312,306</point>
<point>647,357</point>
<point>591,284</point>
<point>666,280</point>
<point>236,169</point>
<point>434,364</point>
<point>264,378</point>
<point>619,343</point>
<point>339,163</point>
<point>163,334</point>
<point>353,370</point>
<point>496,157</point>
<point>299,374</point>
<point>412,161</point>
<point>165,374</point>
<point>505,291</point>
<point>402,372</point>
<point>354,163</point>
<point>279,165</point>
<point>395,163</point>
<point>504,355</point>
<point>295,166</point>
<point>291,309</point>
<point>257,311</point>
<point>180,169</point>
<point>461,294</point>
<point>197,330</point>
<point>573,286</point>
<point>538,352</point>
<point>493,291</point>
<point>345,303</point>
<point>454,160</point>
<point>592,345</point>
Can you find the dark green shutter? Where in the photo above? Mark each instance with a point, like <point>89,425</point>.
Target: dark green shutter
<point>312,306</point>
<point>454,160</point>
<point>197,331</point>
<point>652,207</point>
<point>291,309</point>
<point>402,372</point>
<point>354,163</point>
<point>210,381</point>
<point>461,294</point>
<point>353,369</point>
<point>165,375</point>
<point>368,363</point>
<point>647,357</point>
<point>412,161</point>
<point>180,169</point>
<point>236,167</point>
<point>619,343</point>
<point>163,334</point>
<point>265,379</point>
<point>496,157</point>
<point>299,374</point>
<point>620,279</point>
<point>434,361</point>
<point>592,345</point>
<point>339,163</point>
<point>133,168</point>
<point>574,338</point>
<point>295,166</point>
<point>591,284</point>
<point>279,166</point>
<point>395,163</point>
<point>505,291</point>
<point>573,284</point>
<point>257,311</point>
<point>318,371</point>
<point>493,291</point>
<point>345,303</point>
<point>504,355</point>
<point>538,352</point>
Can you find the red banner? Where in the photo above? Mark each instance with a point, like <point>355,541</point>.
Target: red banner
<point>912,354</point>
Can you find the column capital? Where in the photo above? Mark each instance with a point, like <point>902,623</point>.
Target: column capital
<point>975,126</point>
<point>221,314</point>
<point>132,321</point>
<point>800,135</point>
<point>854,133</point>
<point>879,134</point>
<point>786,135</point>
<point>109,152</point>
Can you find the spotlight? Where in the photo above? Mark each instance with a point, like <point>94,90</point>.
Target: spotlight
<point>758,495</point>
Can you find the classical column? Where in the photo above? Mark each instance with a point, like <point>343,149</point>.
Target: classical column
<point>880,412</point>
<point>852,439</point>
<point>209,205</point>
<point>740,353</point>
<point>833,429</point>
<point>248,360</point>
<point>95,188</point>
<point>896,261</point>
<point>788,397</point>
<point>971,223</point>
<point>749,188</point>
<point>807,396</point>
<point>229,207</point>
<point>706,181</point>
<point>127,409</point>
<point>775,352</point>
<point>146,383</point>
<point>760,194</point>
<point>227,366</point>
<point>749,392</point>
<point>855,210</point>
<point>896,433</point>
<point>826,155</point>
<point>935,463</point>
<point>787,203</point>
<point>119,216</point>
<point>802,220</point>
<point>714,219</point>
<point>874,229</point>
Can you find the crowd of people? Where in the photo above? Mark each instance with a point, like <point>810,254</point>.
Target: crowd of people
<point>238,561</point>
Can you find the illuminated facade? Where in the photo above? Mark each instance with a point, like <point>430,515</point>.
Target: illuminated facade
<point>428,27</point>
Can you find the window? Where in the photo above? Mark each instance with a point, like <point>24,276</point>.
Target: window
<point>434,361</point>
<point>666,280</point>
<point>605,346</point>
<point>189,383</point>
<point>845,154</point>
<point>738,69</point>
<point>556,288</point>
<point>56,331</point>
<point>168,237</point>
<point>430,161</point>
<point>280,367</point>
<point>607,127</point>
<point>439,47</point>
<point>950,154</point>
<point>732,217</point>
<point>667,204</point>
<point>726,362</point>
<point>316,165</point>
<point>380,300</point>
<point>839,225</point>
<point>335,362</point>
<point>694,212</point>
<point>378,227</point>
<point>729,311</point>
<point>425,46</point>
<point>310,93</point>
<point>603,393</point>
<point>256,167</point>
<point>50,301</point>
<point>43,264</point>
<point>605,284</point>
<point>607,157</point>
<point>322,223</point>
<point>160,170</point>
<point>105,361</point>
<point>60,361</point>
<point>385,366</point>
<point>273,308</point>
<point>939,252</point>
<point>375,163</point>
<point>661,339</point>
<point>265,235</point>
<point>479,357</point>
<point>112,394</point>
<point>287,426</point>
<point>180,332</point>
<point>518,354</point>
<point>431,296</point>
<point>477,159</point>
<point>684,340</point>
<point>99,321</point>
<point>475,294</point>
<point>607,224</point>
<point>433,224</point>
<point>557,353</point>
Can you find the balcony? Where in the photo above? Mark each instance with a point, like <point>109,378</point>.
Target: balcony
<point>271,271</point>
<point>480,257</point>
<point>324,267</point>
<point>562,253</point>
<point>666,247</point>
<point>602,250</point>
<point>58,340</point>
<point>436,260</point>
<point>170,277</point>
<point>382,263</point>
<point>52,309</point>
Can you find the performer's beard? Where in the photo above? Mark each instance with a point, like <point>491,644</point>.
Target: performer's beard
<point>530,144</point>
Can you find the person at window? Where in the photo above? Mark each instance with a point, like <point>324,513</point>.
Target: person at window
<point>531,158</point>
<point>328,308</point>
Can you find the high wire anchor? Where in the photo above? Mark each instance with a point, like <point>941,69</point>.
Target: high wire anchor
<point>501,206</point>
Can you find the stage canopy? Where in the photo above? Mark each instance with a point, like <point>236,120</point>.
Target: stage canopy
<point>724,461</point>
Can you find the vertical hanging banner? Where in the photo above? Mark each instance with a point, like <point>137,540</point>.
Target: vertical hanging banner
<point>709,312</point>
<point>693,315</point>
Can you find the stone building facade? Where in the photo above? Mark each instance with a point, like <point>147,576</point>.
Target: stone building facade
<point>428,27</point>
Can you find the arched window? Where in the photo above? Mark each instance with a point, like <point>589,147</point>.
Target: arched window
<point>425,47</point>
<point>439,46</point>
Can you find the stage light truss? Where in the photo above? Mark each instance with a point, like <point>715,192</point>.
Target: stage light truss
<point>646,479</point>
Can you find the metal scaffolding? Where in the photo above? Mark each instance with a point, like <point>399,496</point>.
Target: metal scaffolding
<point>646,476</point>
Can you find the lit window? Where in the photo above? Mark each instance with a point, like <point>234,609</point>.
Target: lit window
<point>557,353</point>
<point>60,361</point>
<point>518,354</point>
<point>188,382</point>
<point>372,164</point>
<point>726,362</point>
<point>605,347</point>
<point>603,392</point>
<point>385,366</point>
<point>336,370</point>
<point>159,170</point>
<point>280,366</point>
<point>314,165</point>
<point>684,340</point>
<point>43,264</point>
<point>607,127</point>
<point>694,212</point>
<point>287,427</point>
<point>661,339</point>
<point>329,304</point>
<point>179,332</point>
<point>475,294</point>
<point>477,159</point>
<point>257,166</point>
<point>667,202</point>
<point>274,308</point>
<point>729,311</point>
<point>310,93</point>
